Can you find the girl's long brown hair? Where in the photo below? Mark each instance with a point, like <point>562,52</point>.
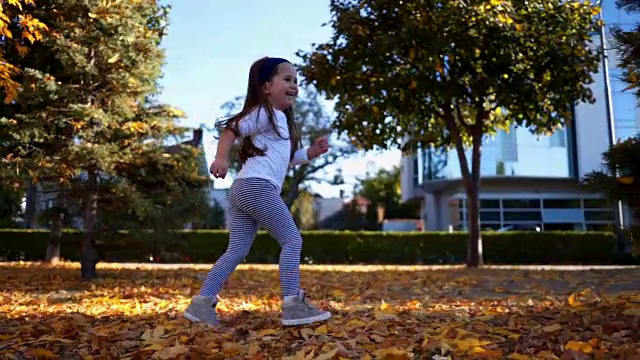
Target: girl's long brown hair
<point>256,99</point>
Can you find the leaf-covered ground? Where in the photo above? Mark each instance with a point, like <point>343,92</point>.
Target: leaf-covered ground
<point>379,313</point>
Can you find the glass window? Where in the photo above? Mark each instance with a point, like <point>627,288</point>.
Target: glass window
<point>521,203</point>
<point>489,216</point>
<point>625,106</point>
<point>490,204</point>
<point>562,204</point>
<point>591,215</point>
<point>522,216</point>
<point>462,203</point>
<point>597,204</point>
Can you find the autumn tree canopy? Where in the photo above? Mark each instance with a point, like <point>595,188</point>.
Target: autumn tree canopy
<point>18,30</point>
<point>447,73</point>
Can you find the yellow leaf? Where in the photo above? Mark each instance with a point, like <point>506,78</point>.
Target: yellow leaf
<point>113,59</point>
<point>486,352</point>
<point>172,352</point>
<point>355,323</point>
<point>504,19</point>
<point>584,297</point>
<point>154,347</point>
<point>322,330</point>
<point>231,349</point>
<point>328,355</point>
<point>392,354</point>
<point>254,348</point>
<point>552,328</point>
<point>579,346</point>
<point>469,343</point>
<point>516,356</point>
<point>546,354</point>
<point>633,311</point>
<point>157,332</point>
<point>42,353</point>
<point>506,333</point>
<point>339,294</point>
<point>496,2</point>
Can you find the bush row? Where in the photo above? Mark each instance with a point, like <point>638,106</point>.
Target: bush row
<point>329,247</point>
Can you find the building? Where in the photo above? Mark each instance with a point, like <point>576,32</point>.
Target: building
<point>529,180</point>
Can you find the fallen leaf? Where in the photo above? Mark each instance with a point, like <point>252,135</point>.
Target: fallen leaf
<point>579,346</point>
<point>552,328</point>
<point>516,356</point>
<point>392,354</point>
<point>134,311</point>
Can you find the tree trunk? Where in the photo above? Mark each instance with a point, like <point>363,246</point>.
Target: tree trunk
<point>30,205</point>
<point>53,247</point>
<point>55,235</point>
<point>471,180</point>
<point>474,245</point>
<point>89,257</point>
<point>474,249</point>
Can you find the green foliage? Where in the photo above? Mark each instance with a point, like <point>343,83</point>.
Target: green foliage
<point>431,64</point>
<point>313,122</point>
<point>628,47</point>
<point>383,189</point>
<point>87,111</point>
<point>10,198</point>
<point>620,178</point>
<point>446,73</point>
<point>344,247</point>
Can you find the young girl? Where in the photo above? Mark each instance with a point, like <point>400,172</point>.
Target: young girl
<point>270,143</point>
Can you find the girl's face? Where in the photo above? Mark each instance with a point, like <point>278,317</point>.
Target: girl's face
<point>282,89</point>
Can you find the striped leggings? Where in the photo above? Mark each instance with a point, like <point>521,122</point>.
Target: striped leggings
<point>253,203</point>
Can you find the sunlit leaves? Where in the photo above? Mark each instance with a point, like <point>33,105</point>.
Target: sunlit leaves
<point>14,14</point>
<point>393,313</point>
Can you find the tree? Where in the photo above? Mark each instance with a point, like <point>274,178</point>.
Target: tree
<point>10,196</point>
<point>447,73</point>
<point>384,192</point>
<point>620,176</point>
<point>628,47</point>
<point>304,211</point>
<point>313,122</point>
<point>18,30</point>
<point>86,118</point>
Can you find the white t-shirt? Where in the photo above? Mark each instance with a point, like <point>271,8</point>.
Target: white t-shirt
<point>273,166</point>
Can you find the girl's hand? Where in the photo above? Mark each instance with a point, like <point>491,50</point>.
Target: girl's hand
<point>219,168</point>
<point>319,147</point>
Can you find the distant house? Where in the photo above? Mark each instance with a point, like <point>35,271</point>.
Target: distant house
<point>41,197</point>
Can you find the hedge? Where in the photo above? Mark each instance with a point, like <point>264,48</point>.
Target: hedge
<point>330,247</point>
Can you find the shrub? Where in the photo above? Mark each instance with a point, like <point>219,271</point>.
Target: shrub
<point>329,247</point>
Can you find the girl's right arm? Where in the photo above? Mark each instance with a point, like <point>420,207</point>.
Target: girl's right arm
<point>225,143</point>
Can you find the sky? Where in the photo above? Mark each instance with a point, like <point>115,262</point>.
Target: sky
<point>210,47</point>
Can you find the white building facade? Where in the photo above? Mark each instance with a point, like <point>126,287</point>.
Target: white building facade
<point>527,179</point>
